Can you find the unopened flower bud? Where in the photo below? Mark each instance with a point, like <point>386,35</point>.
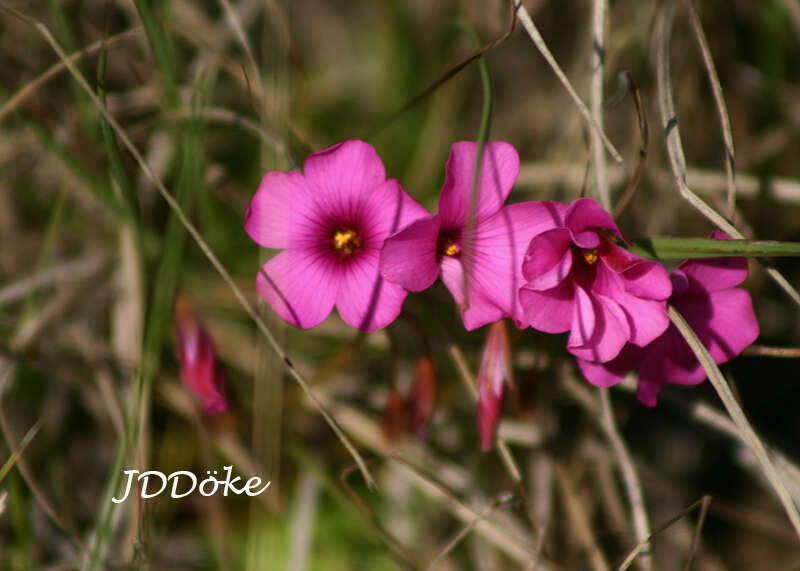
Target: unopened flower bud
<point>199,371</point>
<point>493,376</point>
<point>422,396</point>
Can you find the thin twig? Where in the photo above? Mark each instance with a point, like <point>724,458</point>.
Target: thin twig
<point>633,487</point>
<point>599,9</point>
<point>527,23</point>
<point>716,88</point>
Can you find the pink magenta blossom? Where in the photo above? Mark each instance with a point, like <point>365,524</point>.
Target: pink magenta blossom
<point>494,376</point>
<point>199,371</point>
<point>330,222</point>
<point>441,244</point>
<point>721,315</point>
<point>579,280</point>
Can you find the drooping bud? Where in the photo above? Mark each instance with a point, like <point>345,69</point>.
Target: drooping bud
<point>422,396</point>
<point>493,376</point>
<point>199,371</point>
<point>394,421</point>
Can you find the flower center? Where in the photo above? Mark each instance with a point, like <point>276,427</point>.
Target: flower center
<point>590,255</point>
<point>447,244</point>
<point>346,241</point>
<point>452,250</point>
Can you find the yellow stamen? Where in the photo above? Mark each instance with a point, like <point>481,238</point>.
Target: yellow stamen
<point>590,256</point>
<point>452,250</point>
<point>346,241</point>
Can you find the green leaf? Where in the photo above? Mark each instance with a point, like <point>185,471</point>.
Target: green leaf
<point>664,248</point>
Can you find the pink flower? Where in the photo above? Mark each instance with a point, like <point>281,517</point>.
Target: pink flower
<point>199,371</point>
<point>440,245</point>
<point>579,280</point>
<point>330,223</point>
<point>721,315</point>
<point>493,378</point>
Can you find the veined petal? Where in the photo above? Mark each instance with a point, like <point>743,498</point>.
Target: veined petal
<point>499,170</point>
<point>408,258</point>
<point>498,248</point>
<point>548,259</point>
<point>341,177</point>
<point>302,286</point>
<point>585,214</point>
<point>269,213</point>
<point>550,310</point>
<point>366,300</point>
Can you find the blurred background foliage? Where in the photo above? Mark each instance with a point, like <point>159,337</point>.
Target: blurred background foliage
<point>91,260</point>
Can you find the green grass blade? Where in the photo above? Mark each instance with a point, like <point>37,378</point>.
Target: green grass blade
<point>691,248</point>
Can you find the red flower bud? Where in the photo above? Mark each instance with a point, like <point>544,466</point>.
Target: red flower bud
<point>199,371</point>
<point>493,376</point>
<point>394,421</point>
<point>422,396</point>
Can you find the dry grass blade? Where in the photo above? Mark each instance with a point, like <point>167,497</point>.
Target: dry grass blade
<point>644,134</point>
<point>725,122</point>
<point>630,477</point>
<point>780,352</point>
<point>27,477</point>
<point>462,533</point>
<point>74,270</point>
<point>599,9</point>
<point>527,23</point>
<point>20,96</point>
<point>702,503</point>
<point>192,230</point>
<point>675,147</point>
<point>579,520</point>
<point>746,432</point>
<point>698,530</point>
<point>12,460</point>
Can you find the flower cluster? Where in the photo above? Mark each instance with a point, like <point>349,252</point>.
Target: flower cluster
<point>351,238</point>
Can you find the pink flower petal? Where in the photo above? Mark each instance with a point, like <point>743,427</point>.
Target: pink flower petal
<point>610,332</point>
<point>408,258</point>
<point>498,248</point>
<point>648,280</point>
<point>499,169</point>
<point>584,319</point>
<point>724,322</point>
<point>549,311</point>
<point>304,286</point>
<point>365,300</point>
<point>342,176</point>
<point>586,214</point>
<point>548,259</point>
<point>669,359</point>
<point>482,309</point>
<point>610,373</point>
<point>715,274</point>
<point>267,220</point>
<point>647,318</point>
<point>388,209</point>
